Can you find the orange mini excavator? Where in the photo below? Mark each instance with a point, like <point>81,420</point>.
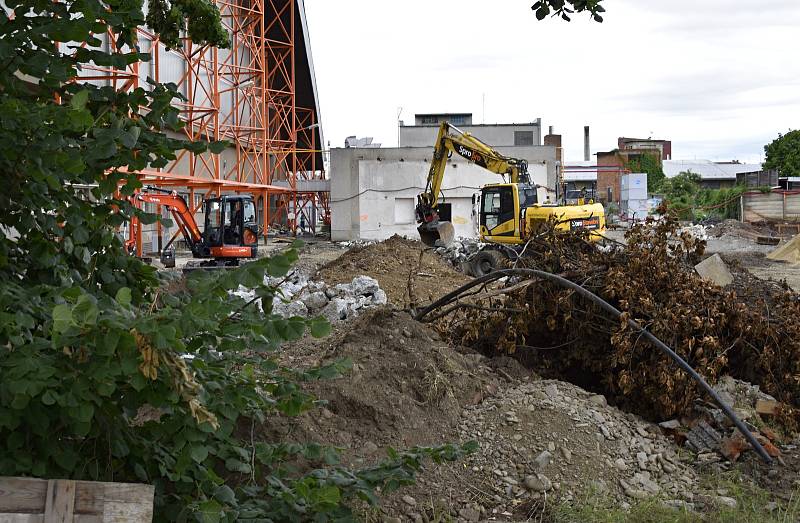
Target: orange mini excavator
<point>230,233</point>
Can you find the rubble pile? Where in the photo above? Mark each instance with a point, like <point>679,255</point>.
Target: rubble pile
<point>459,251</point>
<point>697,231</point>
<point>405,269</point>
<point>299,296</point>
<point>651,280</point>
<point>550,438</point>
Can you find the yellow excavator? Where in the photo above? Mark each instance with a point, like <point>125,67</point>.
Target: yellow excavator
<point>510,212</point>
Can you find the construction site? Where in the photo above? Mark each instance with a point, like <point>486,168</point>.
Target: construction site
<point>599,344</point>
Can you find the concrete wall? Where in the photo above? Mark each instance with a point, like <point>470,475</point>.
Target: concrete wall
<point>374,191</point>
<point>500,135</point>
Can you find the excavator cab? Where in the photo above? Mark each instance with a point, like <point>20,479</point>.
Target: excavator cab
<point>231,228</point>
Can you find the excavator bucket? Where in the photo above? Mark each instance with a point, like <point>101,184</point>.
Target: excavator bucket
<point>429,233</point>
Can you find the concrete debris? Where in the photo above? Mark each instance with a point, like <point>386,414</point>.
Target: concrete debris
<point>639,462</point>
<point>355,243</point>
<point>299,296</point>
<point>715,270</point>
<point>697,231</point>
<point>460,250</point>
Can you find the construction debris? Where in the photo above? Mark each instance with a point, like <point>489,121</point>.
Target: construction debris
<point>301,297</point>
<point>409,273</point>
<point>651,279</point>
<point>460,251</point>
<point>714,270</point>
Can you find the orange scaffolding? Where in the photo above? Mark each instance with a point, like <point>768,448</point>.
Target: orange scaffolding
<point>246,95</point>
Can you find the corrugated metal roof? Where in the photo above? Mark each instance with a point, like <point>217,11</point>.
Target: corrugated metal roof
<point>707,169</point>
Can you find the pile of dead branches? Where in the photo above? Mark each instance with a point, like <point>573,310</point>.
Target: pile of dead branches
<point>651,279</point>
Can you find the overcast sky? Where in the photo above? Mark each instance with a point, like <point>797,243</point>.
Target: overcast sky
<point>720,78</point>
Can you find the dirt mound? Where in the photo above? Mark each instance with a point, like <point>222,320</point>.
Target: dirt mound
<point>407,388</point>
<point>393,263</point>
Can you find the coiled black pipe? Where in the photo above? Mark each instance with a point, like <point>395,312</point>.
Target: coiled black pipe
<point>448,298</point>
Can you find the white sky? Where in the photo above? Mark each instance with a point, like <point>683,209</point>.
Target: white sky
<point>720,78</point>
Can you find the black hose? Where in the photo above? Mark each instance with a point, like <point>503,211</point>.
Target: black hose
<point>617,313</point>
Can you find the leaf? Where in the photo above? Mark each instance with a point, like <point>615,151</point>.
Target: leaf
<point>130,137</point>
<point>84,412</point>
<point>210,511</point>
<point>278,266</point>
<point>328,495</point>
<point>234,465</point>
<point>140,472</point>
<point>119,448</point>
<point>123,296</point>
<point>224,494</point>
<point>199,453</point>
<point>320,327</point>
<point>85,311</point>
<point>49,397</point>
<point>79,99</point>
<point>218,147</point>
<point>62,318</point>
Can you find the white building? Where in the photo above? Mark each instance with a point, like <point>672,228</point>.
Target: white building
<point>374,191</point>
<point>423,133</point>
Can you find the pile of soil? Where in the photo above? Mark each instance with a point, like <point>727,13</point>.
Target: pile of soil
<point>407,387</point>
<point>394,263</point>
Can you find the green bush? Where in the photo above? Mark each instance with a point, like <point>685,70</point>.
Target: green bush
<point>107,371</point>
<point>689,201</point>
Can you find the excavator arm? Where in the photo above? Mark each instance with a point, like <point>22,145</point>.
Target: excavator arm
<point>452,140</point>
<point>184,218</point>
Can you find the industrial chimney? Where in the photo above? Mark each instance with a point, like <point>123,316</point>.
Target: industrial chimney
<point>587,153</point>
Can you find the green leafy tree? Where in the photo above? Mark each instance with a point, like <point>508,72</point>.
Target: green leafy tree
<point>650,164</point>
<point>690,201</point>
<point>565,8</point>
<point>108,370</point>
<point>783,154</point>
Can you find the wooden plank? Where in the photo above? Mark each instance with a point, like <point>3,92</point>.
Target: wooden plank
<point>91,496</point>
<point>21,518</point>
<point>60,504</point>
<point>127,512</point>
<point>22,495</point>
<point>30,500</point>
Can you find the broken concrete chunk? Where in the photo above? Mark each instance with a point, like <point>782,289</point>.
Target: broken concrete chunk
<point>715,270</point>
<point>337,309</point>
<point>380,298</point>
<point>315,300</point>
<point>364,286</point>
<point>289,310</point>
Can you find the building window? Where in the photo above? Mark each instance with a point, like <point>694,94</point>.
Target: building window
<point>523,137</point>
<point>458,120</point>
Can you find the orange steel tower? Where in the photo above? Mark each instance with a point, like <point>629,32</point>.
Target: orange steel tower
<point>259,95</point>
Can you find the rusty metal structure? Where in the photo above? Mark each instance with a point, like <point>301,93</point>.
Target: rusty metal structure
<point>259,95</point>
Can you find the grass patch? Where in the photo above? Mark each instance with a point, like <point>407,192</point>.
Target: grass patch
<point>752,506</point>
